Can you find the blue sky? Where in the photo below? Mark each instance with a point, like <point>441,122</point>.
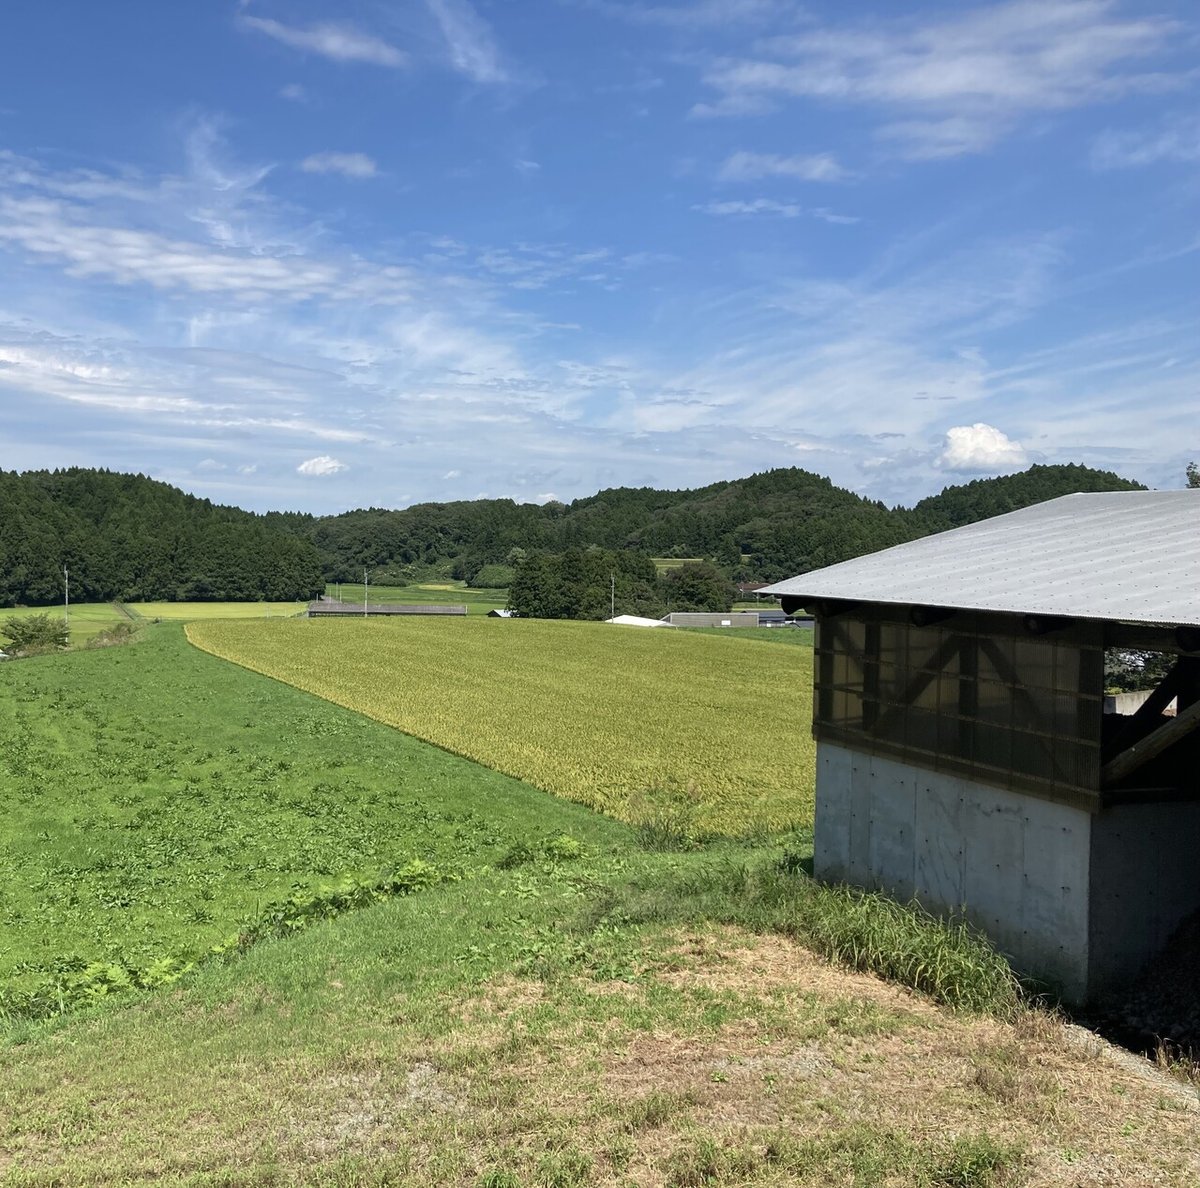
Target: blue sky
<point>325,255</point>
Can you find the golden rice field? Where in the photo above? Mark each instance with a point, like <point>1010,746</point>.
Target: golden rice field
<point>622,720</point>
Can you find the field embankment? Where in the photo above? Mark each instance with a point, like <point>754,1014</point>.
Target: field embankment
<point>627,722</point>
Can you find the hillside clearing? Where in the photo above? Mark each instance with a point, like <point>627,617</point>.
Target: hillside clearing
<point>627,722</point>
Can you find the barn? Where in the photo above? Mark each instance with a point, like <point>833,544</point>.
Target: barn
<point>964,757</point>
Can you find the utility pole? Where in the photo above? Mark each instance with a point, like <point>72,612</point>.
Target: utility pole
<point>366,582</point>
<point>612,594</point>
<point>66,598</point>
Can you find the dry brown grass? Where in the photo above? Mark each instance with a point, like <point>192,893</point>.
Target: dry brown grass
<point>733,1058</point>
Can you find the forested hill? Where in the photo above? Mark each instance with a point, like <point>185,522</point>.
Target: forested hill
<point>130,537</point>
<point>125,536</point>
<point>764,527</point>
<point>780,520</point>
<point>984,498</point>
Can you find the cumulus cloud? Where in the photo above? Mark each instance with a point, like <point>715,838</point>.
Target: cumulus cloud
<point>744,166</point>
<point>322,465</point>
<point>981,448</point>
<point>347,164</point>
<point>338,42</point>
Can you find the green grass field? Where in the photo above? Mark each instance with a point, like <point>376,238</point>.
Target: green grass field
<point>185,612</point>
<point>424,593</point>
<point>795,636</point>
<point>614,718</point>
<point>87,619</point>
<point>157,798</point>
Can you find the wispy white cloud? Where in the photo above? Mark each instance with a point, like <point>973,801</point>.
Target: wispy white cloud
<point>1177,142</point>
<point>746,166</point>
<point>981,449</point>
<point>293,92</point>
<point>357,165</point>
<point>769,206</point>
<point>703,15</point>
<point>957,83</point>
<point>470,43</point>
<point>321,466</point>
<point>60,231</point>
<point>336,41</point>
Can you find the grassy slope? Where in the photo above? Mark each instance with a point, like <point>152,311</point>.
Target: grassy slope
<point>156,797</point>
<point>544,1027</point>
<point>611,717</point>
<point>563,1022</point>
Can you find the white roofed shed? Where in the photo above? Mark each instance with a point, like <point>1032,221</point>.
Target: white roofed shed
<point>963,756</point>
<point>1131,556</point>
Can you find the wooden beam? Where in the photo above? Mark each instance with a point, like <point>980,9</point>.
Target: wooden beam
<point>1152,745</point>
<point>1162,695</point>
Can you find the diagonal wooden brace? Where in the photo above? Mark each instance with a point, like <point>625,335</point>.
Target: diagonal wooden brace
<point>1157,741</point>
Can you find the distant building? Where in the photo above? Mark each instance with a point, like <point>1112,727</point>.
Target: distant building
<point>502,614</point>
<point>329,608</point>
<point>712,619</point>
<point>963,755</point>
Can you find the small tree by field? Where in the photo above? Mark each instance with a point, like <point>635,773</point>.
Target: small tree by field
<point>28,635</point>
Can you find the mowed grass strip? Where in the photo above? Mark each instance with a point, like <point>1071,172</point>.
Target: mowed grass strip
<point>628,722</point>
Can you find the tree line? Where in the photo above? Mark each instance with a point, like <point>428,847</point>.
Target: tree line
<point>129,537</point>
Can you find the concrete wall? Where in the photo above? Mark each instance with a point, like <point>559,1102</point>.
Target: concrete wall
<point>1019,866</point>
<point>1145,880</point>
<point>713,619</point>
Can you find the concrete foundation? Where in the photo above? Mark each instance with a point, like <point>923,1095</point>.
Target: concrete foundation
<point>1077,899</point>
<point>1145,882</point>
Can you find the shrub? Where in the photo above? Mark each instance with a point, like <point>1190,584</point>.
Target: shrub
<point>29,635</point>
<point>114,636</point>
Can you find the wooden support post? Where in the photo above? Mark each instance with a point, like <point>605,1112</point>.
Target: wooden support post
<point>1169,733</point>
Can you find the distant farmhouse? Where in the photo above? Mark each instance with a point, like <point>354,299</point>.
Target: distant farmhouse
<point>963,755</point>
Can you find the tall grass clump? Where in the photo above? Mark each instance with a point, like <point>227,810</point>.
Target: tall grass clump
<point>945,958</point>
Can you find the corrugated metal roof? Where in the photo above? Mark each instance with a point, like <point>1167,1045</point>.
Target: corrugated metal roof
<point>1131,556</point>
